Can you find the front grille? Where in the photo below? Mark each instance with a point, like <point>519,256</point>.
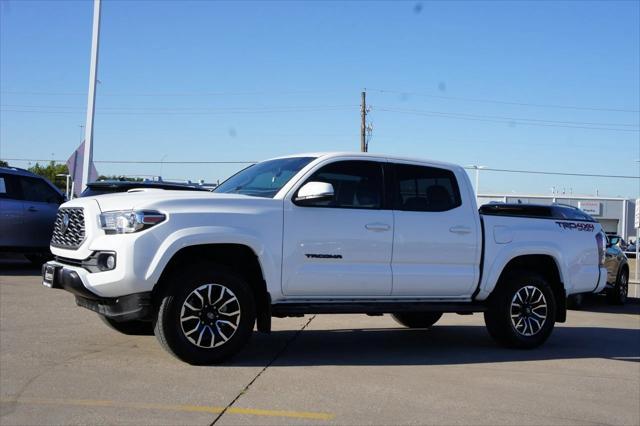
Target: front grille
<point>68,236</point>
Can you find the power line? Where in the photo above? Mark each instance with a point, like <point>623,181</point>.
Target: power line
<point>172,94</point>
<point>170,109</point>
<point>295,92</point>
<point>493,101</point>
<point>536,120</point>
<point>537,172</point>
<point>204,111</point>
<point>496,119</point>
<point>312,108</point>
<point>134,161</point>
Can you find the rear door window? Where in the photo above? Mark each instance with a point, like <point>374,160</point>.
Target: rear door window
<point>38,190</point>
<point>425,189</point>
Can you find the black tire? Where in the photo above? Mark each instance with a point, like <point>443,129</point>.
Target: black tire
<point>417,319</point>
<point>528,329</point>
<point>130,328</point>
<point>186,288</point>
<point>575,301</point>
<point>618,294</point>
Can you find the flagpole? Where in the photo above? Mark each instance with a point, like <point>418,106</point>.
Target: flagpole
<point>91,101</point>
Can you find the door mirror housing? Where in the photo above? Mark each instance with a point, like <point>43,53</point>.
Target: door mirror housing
<point>314,192</point>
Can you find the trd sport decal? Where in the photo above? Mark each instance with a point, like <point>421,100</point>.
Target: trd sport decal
<point>587,227</point>
<point>323,256</point>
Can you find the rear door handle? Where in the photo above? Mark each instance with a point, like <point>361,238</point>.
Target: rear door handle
<point>377,227</point>
<point>32,209</point>
<point>460,229</point>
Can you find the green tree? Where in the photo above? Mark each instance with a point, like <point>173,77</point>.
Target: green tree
<point>4,163</point>
<point>50,171</point>
<point>120,178</point>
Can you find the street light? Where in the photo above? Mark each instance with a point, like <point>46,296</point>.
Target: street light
<point>67,176</point>
<point>161,164</point>
<point>477,169</point>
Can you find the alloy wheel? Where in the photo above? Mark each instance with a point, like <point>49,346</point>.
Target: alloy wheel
<point>210,315</point>
<point>528,310</point>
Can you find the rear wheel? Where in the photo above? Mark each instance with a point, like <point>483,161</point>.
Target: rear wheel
<point>417,319</point>
<point>131,328</point>
<point>207,316</point>
<point>522,312</point>
<point>618,294</point>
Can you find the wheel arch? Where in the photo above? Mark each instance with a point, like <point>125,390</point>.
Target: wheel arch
<point>624,267</point>
<point>548,267</point>
<point>236,257</point>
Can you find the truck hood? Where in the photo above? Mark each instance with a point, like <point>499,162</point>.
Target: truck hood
<point>161,199</point>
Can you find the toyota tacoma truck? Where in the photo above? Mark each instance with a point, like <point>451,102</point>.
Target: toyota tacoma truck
<point>321,234</point>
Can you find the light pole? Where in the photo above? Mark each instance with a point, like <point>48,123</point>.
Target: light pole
<point>67,177</point>
<point>91,98</point>
<point>161,164</point>
<point>477,168</point>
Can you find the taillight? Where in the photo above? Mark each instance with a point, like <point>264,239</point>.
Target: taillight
<point>602,247</point>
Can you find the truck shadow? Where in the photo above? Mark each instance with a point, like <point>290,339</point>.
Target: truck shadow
<point>442,345</point>
<point>17,265</point>
<point>598,303</point>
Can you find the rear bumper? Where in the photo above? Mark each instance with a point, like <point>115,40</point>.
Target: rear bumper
<point>602,280</point>
<point>122,308</point>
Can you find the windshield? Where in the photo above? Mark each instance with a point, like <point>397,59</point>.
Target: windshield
<point>264,179</point>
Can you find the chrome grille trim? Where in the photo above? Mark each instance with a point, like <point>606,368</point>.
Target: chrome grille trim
<point>74,235</point>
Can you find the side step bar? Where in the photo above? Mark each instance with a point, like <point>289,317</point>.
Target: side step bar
<point>296,309</point>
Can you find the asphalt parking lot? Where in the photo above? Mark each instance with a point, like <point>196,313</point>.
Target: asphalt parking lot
<point>60,365</point>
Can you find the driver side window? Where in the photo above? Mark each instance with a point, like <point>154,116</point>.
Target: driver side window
<point>356,185</point>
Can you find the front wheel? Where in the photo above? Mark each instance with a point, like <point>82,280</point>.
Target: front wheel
<point>206,316</point>
<point>417,319</point>
<point>618,294</point>
<point>522,312</point>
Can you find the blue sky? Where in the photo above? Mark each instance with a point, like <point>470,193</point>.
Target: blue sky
<point>487,83</point>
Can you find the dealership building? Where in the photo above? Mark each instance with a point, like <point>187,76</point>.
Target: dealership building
<point>615,214</point>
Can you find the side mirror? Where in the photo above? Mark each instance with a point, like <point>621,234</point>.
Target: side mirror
<point>314,191</point>
<point>613,241</point>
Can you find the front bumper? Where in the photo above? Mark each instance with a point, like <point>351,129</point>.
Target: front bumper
<point>122,308</point>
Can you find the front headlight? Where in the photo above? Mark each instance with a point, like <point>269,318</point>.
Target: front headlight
<point>128,221</point>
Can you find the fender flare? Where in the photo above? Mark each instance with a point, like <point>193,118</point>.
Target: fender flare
<point>514,251</point>
<point>204,235</point>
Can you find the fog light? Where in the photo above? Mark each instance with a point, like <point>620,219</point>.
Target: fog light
<point>106,261</point>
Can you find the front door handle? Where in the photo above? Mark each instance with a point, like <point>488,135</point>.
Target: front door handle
<point>460,229</point>
<point>32,209</point>
<point>377,227</point>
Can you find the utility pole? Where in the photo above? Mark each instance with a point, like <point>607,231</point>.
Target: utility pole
<point>91,100</point>
<point>363,124</point>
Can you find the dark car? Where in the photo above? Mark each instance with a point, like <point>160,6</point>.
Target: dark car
<point>618,271</point>
<point>112,186</point>
<point>28,207</point>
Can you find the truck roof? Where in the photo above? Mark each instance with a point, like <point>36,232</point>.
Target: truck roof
<point>368,155</point>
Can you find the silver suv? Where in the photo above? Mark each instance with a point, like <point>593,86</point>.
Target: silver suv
<point>28,207</point>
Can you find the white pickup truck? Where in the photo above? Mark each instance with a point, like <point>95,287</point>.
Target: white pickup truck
<point>321,233</point>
